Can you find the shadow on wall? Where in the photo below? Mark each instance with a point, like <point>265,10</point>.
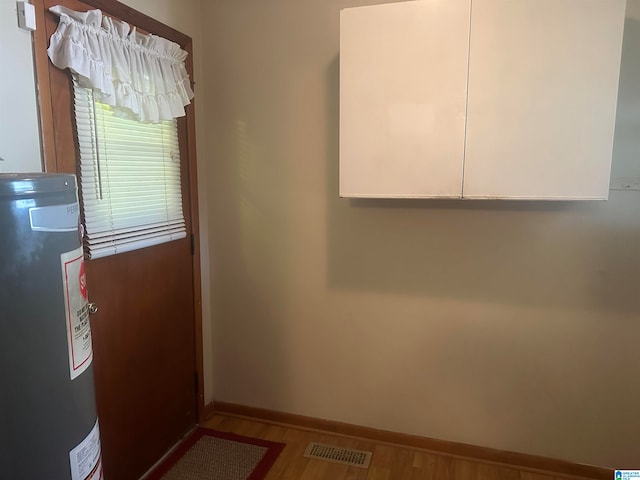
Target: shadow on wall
<point>260,374</point>
<point>583,254</point>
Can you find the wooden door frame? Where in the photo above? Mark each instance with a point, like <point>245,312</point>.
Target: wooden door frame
<point>186,129</point>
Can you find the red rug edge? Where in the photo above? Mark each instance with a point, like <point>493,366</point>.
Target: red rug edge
<point>261,469</point>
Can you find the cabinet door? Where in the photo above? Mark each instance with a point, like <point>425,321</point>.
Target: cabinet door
<point>543,81</point>
<point>403,74</point>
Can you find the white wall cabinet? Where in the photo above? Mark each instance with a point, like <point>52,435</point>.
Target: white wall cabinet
<point>479,98</point>
<point>403,77</point>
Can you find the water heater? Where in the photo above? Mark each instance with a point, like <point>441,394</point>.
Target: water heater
<point>48,420</point>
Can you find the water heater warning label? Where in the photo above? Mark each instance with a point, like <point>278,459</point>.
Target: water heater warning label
<point>77,312</point>
<point>85,459</point>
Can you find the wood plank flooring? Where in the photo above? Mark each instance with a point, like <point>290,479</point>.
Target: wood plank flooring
<point>389,462</point>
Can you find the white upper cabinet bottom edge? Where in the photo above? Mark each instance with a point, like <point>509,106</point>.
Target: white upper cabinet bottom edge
<point>399,195</point>
<point>374,196</point>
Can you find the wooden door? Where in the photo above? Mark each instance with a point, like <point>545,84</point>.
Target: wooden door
<point>143,339</point>
<point>146,357</point>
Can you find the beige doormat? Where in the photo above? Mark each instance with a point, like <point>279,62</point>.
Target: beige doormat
<point>212,455</point>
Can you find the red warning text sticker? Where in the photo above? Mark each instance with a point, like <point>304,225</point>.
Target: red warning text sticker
<point>77,312</point>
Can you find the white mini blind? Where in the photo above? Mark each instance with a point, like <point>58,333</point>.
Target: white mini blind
<point>129,179</point>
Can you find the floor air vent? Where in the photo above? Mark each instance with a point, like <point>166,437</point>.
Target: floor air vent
<point>346,456</point>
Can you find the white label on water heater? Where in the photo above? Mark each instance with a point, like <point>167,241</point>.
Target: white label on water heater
<point>55,218</point>
<point>85,459</point>
<point>77,312</point>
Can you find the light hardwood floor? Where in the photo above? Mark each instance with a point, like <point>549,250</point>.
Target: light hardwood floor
<point>389,462</point>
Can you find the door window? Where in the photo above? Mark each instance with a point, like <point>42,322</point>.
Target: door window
<point>129,178</point>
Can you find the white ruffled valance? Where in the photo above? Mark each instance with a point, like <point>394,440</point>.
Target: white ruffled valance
<point>143,76</point>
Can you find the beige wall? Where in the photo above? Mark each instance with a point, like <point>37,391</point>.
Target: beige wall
<point>184,16</point>
<point>503,324</point>
<point>511,325</point>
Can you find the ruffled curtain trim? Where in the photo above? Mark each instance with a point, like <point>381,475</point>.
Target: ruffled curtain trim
<point>142,76</point>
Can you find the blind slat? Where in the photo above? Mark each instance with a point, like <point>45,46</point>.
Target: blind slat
<point>121,247</point>
<point>134,235</point>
